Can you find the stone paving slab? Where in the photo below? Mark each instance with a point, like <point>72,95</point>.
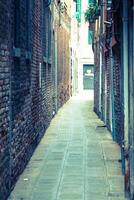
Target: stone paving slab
<point>76,159</point>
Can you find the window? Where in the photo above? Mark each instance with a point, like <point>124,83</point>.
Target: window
<point>78,10</point>
<point>16,23</point>
<point>28,28</point>
<point>49,34</point>
<point>27,24</point>
<point>46,31</point>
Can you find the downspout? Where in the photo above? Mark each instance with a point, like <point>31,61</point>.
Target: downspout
<point>125,145</point>
<point>10,133</point>
<point>112,92</point>
<point>55,73</point>
<point>101,69</point>
<point>125,69</point>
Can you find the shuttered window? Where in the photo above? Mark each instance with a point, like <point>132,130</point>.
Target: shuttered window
<point>91,1</point>
<point>78,10</point>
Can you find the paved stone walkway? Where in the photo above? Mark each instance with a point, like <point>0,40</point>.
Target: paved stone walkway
<point>76,159</point>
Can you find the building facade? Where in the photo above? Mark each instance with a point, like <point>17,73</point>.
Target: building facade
<point>75,40</point>
<point>30,93</point>
<point>62,50</point>
<point>113,49</point>
<point>82,54</point>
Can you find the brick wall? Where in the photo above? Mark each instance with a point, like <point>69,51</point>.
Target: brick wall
<point>27,126</point>
<point>64,65</point>
<point>117,94</point>
<point>26,82</point>
<point>114,84</point>
<point>5,44</point>
<point>108,91</point>
<point>111,84</point>
<point>96,77</point>
<point>26,94</point>
<point>103,88</point>
<point>131,95</point>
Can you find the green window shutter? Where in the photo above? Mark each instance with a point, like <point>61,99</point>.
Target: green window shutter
<point>90,37</point>
<point>91,1</point>
<point>78,10</point>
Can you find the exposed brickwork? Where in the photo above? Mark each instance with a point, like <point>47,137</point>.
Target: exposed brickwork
<point>4,97</point>
<point>118,75</point>
<point>96,78</point>
<point>26,94</point>
<point>108,91</point>
<point>130,172</point>
<point>117,95</point>
<point>63,65</point>
<point>111,92</point>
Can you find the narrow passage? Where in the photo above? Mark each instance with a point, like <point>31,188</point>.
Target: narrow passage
<point>76,159</point>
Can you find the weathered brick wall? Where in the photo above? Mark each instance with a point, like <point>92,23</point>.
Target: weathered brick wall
<point>113,112</point>
<point>26,84</point>
<point>4,97</point>
<point>131,95</point>
<point>108,91</point>
<point>96,77</point>
<point>117,94</point>
<point>63,65</point>
<point>25,102</point>
<point>20,95</point>
<point>62,31</point>
<point>114,75</point>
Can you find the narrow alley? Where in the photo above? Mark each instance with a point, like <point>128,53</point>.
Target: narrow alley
<point>76,159</point>
<point>66,99</point>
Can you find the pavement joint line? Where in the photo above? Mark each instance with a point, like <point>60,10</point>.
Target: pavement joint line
<point>104,158</point>
<point>85,167</point>
<point>63,166</point>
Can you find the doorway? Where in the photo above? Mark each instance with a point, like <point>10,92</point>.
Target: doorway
<point>88,76</point>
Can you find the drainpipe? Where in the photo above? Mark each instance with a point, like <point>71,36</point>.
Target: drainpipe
<point>101,67</point>
<point>112,92</point>
<point>125,145</point>
<point>125,68</point>
<point>55,73</point>
<point>100,85</point>
<point>10,130</point>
